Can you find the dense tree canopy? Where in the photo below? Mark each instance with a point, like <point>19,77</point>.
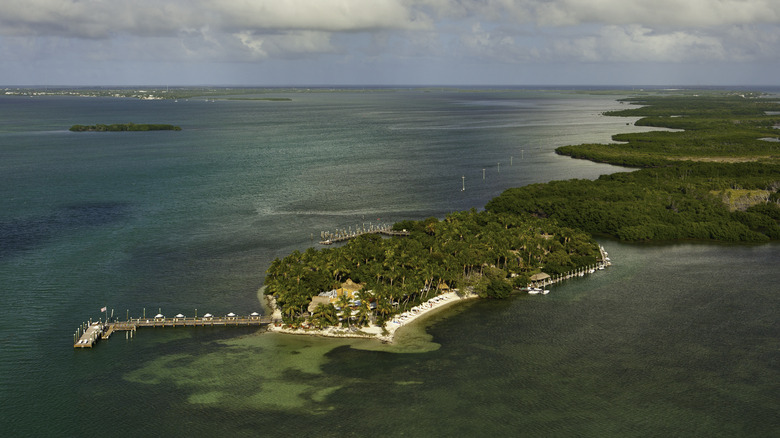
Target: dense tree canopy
<point>485,251</point>
<point>711,126</point>
<point>668,203</point>
<point>690,177</point>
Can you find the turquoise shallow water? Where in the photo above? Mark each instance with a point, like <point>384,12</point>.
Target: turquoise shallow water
<point>672,340</point>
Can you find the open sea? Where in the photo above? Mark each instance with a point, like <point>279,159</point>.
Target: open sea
<point>672,340</point>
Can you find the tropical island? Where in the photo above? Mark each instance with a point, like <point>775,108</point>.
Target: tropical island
<point>119,127</point>
<point>716,178</point>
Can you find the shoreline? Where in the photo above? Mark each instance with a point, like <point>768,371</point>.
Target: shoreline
<point>384,334</point>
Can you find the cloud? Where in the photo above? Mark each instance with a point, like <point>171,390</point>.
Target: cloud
<point>262,46</point>
<point>482,33</point>
<point>636,43</point>
<point>661,13</point>
<point>555,13</point>
<point>238,30</point>
<point>615,30</point>
<point>104,18</point>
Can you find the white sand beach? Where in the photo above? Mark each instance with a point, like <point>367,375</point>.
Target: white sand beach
<point>385,334</point>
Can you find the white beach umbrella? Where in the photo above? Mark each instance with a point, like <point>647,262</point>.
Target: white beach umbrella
<point>159,315</point>
<point>208,315</point>
<point>231,314</point>
<point>180,316</point>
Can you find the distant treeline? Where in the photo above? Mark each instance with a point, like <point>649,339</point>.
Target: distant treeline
<point>687,201</point>
<point>717,179</point>
<point>116,127</point>
<point>270,99</point>
<point>714,127</point>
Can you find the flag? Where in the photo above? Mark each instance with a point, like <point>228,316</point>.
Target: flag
<point>102,309</point>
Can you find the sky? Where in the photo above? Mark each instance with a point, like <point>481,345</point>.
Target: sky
<point>389,42</point>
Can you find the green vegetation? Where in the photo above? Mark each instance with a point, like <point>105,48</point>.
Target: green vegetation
<point>715,179</point>
<point>668,203</point>
<point>715,127</point>
<point>117,127</point>
<point>686,189</point>
<point>489,253</point>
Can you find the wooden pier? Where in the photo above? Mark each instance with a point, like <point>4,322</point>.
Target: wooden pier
<point>103,330</point>
<point>342,236</point>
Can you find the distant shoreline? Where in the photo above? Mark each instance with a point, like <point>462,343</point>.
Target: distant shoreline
<point>122,127</point>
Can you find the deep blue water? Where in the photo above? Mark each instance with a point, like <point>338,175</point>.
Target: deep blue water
<point>672,340</point>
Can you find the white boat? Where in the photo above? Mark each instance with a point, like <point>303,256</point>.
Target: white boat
<point>534,290</point>
<point>546,291</point>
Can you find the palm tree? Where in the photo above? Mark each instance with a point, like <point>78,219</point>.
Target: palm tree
<point>384,308</point>
<point>290,312</point>
<point>363,314</point>
<point>345,301</point>
<point>324,315</point>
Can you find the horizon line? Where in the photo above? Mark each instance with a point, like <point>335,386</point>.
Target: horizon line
<point>393,86</point>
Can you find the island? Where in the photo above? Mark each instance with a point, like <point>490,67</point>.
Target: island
<point>714,175</point>
<point>119,127</point>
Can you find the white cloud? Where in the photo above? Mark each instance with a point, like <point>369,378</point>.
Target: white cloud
<point>262,46</point>
<point>103,18</point>
<point>320,15</point>
<point>697,13</point>
<point>662,13</point>
<point>636,43</point>
<point>240,30</point>
<point>408,32</point>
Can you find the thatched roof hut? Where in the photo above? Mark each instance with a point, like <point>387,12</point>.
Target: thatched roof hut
<point>315,300</point>
<point>540,278</point>
<point>350,286</point>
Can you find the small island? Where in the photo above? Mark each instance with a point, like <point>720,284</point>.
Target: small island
<point>118,127</point>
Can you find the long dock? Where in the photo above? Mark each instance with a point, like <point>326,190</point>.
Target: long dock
<point>341,236</point>
<point>103,330</point>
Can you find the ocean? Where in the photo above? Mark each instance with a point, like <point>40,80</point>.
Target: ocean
<point>672,340</point>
